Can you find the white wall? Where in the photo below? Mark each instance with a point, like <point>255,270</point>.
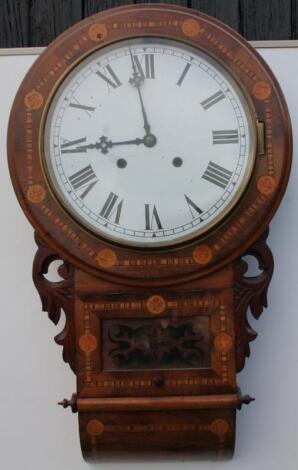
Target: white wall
<point>36,434</point>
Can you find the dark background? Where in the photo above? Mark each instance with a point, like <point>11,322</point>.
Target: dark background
<point>36,22</point>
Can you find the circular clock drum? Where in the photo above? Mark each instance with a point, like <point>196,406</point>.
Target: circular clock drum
<point>149,142</point>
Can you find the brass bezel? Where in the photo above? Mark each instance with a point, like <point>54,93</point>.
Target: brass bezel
<point>197,235</point>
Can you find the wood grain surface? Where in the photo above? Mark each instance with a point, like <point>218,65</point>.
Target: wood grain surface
<point>27,23</point>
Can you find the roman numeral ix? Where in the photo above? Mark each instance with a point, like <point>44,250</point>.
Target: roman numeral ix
<point>66,146</point>
<point>83,179</point>
<point>217,175</point>
<point>225,137</point>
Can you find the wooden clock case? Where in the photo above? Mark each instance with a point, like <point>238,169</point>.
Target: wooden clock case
<point>155,337</point>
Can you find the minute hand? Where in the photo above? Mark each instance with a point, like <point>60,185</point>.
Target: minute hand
<point>137,82</point>
<point>147,126</point>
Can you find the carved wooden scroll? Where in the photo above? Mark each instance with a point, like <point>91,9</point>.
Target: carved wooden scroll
<point>251,293</point>
<point>56,296</point>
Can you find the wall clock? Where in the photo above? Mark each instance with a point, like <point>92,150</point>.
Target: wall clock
<point>150,147</point>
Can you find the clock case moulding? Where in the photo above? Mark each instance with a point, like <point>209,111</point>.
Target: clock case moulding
<point>158,283</point>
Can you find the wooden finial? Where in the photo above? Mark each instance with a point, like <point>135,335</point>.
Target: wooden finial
<point>72,403</point>
<point>243,399</point>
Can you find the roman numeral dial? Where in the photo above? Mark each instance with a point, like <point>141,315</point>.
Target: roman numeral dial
<point>145,65</point>
<point>109,77</point>
<point>73,146</point>
<point>217,175</point>
<point>152,219</point>
<point>225,137</point>
<point>213,100</point>
<point>112,208</point>
<point>84,179</point>
<point>193,208</point>
<point>183,75</point>
<point>83,107</point>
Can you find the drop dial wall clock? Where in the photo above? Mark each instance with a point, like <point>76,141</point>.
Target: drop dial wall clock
<point>150,146</point>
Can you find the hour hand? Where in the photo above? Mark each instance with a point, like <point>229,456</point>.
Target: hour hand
<point>104,144</point>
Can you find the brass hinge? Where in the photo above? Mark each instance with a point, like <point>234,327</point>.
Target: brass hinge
<point>261,137</point>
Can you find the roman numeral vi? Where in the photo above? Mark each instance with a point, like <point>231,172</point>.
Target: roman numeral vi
<point>152,218</point>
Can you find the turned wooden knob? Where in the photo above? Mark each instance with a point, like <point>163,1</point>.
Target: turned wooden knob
<point>243,399</point>
<point>72,403</point>
<point>159,381</point>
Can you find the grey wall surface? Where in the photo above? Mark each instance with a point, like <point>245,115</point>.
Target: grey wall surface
<point>36,434</point>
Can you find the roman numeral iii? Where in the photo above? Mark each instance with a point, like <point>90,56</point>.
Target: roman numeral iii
<point>145,66</point>
<point>83,179</point>
<point>225,137</point>
<point>217,175</point>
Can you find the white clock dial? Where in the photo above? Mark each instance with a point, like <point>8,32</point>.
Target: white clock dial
<point>149,142</point>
